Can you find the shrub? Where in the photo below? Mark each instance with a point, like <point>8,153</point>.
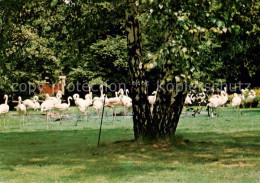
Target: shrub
<point>257,92</point>
<point>256,102</point>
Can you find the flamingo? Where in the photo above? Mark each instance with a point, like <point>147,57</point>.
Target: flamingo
<point>88,99</point>
<point>127,105</point>
<point>187,102</point>
<point>47,106</point>
<point>101,95</point>
<point>251,97</point>
<point>112,102</point>
<point>98,101</point>
<point>89,95</point>
<point>31,104</point>
<point>21,108</point>
<point>63,107</point>
<point>4,108</point>
<point>225,97</point>
<point>37,104</point>
<point>126,101</point>
<point>81,104</point>
<point>214,102</point>
<point>98,104</point>
<point>56,100</point>
<point>237,100</point>
<point>152,99</point>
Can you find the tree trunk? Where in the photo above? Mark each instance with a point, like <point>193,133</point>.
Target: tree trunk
<point>168,105</point>
<point>167,110</point>
<point>141,114</point>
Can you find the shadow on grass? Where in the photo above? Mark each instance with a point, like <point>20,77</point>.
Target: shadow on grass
<point>78,148</point>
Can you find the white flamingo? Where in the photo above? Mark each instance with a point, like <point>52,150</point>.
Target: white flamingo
<point>47,106</point>
<point>214,102</point>
<point>56,100</point>
<point>88,99</point>
<point>98,104</point>
<point>89,95</point>
<point>4,108</point>
<point>101,95</point>
<point>251,97</point>
<point>31,104</point>
<point>152,99</point>
<point>113,102</point>
<point>76,98</point>
<point>187,102</point>
<point>21,109</point>
<point>62,107</point>
<point>225,97</point>
<point>37,104</point>
<point>237,100</point>
<point>126,101</point>
<point>98,101</point>
<point>81,104</point>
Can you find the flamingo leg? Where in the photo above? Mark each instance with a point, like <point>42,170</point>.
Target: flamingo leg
<point>20,121</point>
<point>47,118</point>
<point>28,119</point>
<point>4,121</point>
<point>77,120</point>
<point>113,113</point>
<point>28,116</point>
<point>124,112</point>
<point>60,118</point>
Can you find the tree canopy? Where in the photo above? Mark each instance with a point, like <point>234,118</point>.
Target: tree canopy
<point>187,42</point>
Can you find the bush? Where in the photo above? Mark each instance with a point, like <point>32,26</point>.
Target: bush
<point>256,102</point>
<point>257,92</point>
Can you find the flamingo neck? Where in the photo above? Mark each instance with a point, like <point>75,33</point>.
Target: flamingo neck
<point>101,93</point>
<point>69,101</point>
<point>89,90</point>
<point>6,99</point>
<point>34,100</point>
<point>20,101</point>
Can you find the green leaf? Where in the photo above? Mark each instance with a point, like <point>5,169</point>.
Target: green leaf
<point>54,3</point>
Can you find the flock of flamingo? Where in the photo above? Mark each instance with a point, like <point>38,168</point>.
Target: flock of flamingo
<point>217,100</point>
<point>55,104</point>
<point>121,99</point>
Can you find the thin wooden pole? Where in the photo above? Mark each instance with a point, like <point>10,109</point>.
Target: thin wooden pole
<point>101,120</point>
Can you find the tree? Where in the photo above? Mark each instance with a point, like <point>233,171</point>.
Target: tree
<point>187,41</point>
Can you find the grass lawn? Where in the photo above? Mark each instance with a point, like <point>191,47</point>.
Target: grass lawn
<point>226,149</point>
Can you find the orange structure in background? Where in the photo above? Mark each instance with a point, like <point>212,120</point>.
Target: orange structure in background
<point>50,89</point>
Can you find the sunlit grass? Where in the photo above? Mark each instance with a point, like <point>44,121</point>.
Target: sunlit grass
<point>225,149</point>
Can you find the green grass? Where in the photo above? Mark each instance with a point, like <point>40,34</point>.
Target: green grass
<point>223,150</point>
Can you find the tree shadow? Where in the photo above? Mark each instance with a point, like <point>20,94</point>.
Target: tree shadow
<point>76,149</point>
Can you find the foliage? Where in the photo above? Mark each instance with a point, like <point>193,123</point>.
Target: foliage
<point>45,39</point>
<point>202,40</point>
<point>257,91</point>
